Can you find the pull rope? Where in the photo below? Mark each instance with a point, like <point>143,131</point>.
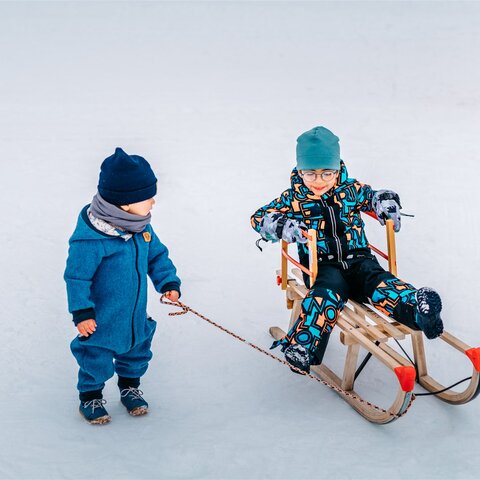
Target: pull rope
<point>185,309</point>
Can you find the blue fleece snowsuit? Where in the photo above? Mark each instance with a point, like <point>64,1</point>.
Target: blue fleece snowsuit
<point>106,279</point>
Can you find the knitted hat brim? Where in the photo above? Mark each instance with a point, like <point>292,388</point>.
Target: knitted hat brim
<point>316,163</point>
<point>126,198</point>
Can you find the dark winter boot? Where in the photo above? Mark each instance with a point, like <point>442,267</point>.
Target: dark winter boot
<point>133,401</point>
<point>92,408</point>
<point>298,356</point>
<point>131,396</point>
<point>429,306</point>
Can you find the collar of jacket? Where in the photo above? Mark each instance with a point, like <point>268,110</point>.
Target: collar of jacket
<point>86,231</point>
<point>108,228</point>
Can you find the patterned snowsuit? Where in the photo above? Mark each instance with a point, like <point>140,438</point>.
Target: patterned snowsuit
<point>346,266</point>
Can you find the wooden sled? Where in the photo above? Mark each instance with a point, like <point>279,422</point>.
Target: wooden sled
<point>364,327</point>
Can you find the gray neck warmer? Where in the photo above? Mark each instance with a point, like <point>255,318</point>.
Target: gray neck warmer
<point>118,217</point>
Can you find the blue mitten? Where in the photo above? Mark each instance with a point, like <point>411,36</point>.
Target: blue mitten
<point>275,226</point>
<point>386,204</point>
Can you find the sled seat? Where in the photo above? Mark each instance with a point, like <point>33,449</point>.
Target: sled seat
<point>360,327</point>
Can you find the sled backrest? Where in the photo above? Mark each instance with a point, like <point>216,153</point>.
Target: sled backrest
<point>311,235</point>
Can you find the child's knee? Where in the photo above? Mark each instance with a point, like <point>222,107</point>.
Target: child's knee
<point>391,291</point>
<point>324,300</point>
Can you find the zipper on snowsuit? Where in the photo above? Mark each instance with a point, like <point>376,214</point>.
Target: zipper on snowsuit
<point>334,233</point>
<point>138,290</point>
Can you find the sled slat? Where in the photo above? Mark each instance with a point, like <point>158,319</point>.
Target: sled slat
<point>385,325</point>
<point>361,322</point>
<point>300,290</point>
<point>298,273</point>
<point>347,326</point>
<point>403,328</point>
<point>390,330</point>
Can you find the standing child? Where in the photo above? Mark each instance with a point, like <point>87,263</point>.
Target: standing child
<point>322,197</point>
<point>112,250</point>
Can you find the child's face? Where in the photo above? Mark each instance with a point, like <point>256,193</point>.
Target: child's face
<point>319,181</point>
<point>139,208</point>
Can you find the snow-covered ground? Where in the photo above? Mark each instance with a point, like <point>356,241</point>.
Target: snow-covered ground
<point>214,96</point>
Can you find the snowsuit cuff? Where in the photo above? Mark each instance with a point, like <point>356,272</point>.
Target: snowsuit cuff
<point>90,395</point>
<point>81,315</point>
<point>126,382</point>
<point>171,286</point>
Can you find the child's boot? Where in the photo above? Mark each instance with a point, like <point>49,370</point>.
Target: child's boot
<point>298,356</point>
<point>92,408</point>
<point>429,306</point>
<point>131,396</point>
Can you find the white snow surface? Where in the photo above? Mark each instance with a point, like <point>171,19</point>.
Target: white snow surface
<point>214,95</point>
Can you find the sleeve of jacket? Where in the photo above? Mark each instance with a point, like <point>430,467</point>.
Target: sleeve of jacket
<point>161,269</point>
<point>365,195</point>
<point>84,257</point>
<point>281,204</point>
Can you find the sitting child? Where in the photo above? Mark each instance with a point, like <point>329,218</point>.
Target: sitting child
<point>112,250</point>
<point>324,198</point>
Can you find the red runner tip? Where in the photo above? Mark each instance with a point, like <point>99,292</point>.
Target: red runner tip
<point>474,355</point>
<point>406,376</point>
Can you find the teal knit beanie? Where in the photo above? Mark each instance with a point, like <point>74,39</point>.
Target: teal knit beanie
<point>318,148</point>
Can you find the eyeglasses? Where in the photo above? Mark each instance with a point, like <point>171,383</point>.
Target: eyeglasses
<point>326,175</point>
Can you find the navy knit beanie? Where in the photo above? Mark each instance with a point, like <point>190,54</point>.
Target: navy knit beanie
<point>126,179</point>
<point>318,148</point>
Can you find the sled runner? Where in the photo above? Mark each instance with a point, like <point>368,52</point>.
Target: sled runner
<point>362,326</point>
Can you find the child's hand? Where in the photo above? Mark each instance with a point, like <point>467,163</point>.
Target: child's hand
<point>386,204</point>
<point>87,327</point>
<point>292,231</point>
<point>275,226</point>
<point>172,295</point>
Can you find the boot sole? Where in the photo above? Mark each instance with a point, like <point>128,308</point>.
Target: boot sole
<point>295,360</point>
<point>428,302</point>
<point>429,307</point>
<point>97,421</point>
<point>137,412</point>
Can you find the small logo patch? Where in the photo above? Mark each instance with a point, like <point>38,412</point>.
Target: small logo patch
<point>147,237</point>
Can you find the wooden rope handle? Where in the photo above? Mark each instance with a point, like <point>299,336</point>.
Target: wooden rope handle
<point>312,255</point>
<point>391,248</point>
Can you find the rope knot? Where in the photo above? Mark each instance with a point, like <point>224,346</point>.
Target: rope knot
<point>165,301</point>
